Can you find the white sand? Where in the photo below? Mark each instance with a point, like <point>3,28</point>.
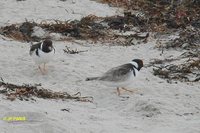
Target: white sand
<point>38,10</point>
<point>157,106</point>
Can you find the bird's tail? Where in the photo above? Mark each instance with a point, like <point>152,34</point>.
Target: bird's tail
<point>91,78</point>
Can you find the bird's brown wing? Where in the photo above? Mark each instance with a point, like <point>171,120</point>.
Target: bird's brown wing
<point>34,47</point>
<point>119,73</point>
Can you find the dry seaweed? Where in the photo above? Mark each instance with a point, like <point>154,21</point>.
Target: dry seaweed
<point>189,39</point>
<point>12,32</point>
<point>126,22</point>
<point>165,14</point>
<point>69,51</point>
<point>156,16</point>
<point>20,32</point>
<point>188,71</point>
<point>191,54</point>
<point>159,61</point>
<point>132,39</point>
<point>91,27</point>
<point>28,92</point>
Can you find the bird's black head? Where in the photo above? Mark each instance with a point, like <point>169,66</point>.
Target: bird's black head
<point>139,62</point>
<point>47,46</point>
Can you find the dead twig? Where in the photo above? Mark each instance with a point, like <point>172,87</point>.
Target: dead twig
<point>69,51</point>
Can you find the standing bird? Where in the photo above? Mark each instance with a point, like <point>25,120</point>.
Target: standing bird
<point>120,76</point>
<point>42,53</point>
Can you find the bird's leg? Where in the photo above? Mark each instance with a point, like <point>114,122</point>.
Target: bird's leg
<point>122,88</point>
<point>41,70</point>
<point>127,90</point>
<point>44,67</point>
<point>118,91</point>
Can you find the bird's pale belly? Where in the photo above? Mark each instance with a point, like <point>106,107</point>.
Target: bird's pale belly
<point>43,57</point>
<point>121,83</point>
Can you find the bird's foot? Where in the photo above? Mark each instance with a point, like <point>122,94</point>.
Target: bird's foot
<point>125,89</point>
<point>45,69</point>
<point>42,71</point>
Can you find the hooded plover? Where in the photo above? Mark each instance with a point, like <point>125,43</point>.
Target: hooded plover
<point>120,76</point>
<point>42,53</point>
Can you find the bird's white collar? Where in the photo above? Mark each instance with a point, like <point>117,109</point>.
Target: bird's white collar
<point>134,63</point>
<point>41,45</point>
